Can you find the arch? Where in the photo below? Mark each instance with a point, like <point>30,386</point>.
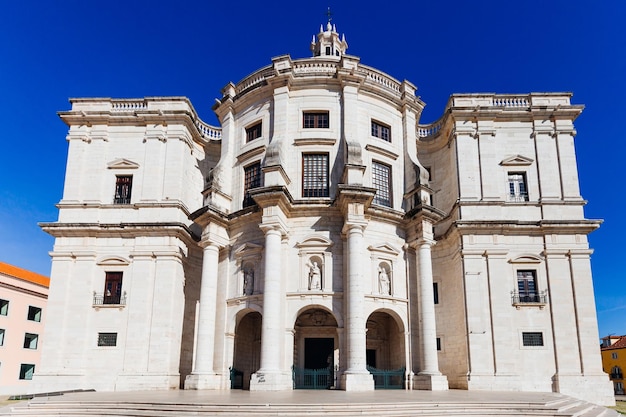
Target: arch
<point>315,348</point>
<point>385,340</point>
<point>235,317</point>
<point>247,347</point>
<point>294,318</point>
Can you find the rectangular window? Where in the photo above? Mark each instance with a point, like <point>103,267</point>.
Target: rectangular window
<point>112,288</point>
<point>315,120</point>
<point>517,187</point>
<point>254,132</point>
<point>381,131</point>
<point>4,307</point>
<point>107,339</point>
<point>252,179</point>
<point>532,339</point>
<point>34,313</point>
<point>381,181</point>
<point>123,186</point>
<point>527,287</point>
<point>30,341</point>
<point>436,292</point>
<point>438,343</point>
<point>315,175</point>
<point>1,337</point>
<point>26,371</point>
<point>614,355</point>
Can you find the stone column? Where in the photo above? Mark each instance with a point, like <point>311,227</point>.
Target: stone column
<point>356,377</point>
<point>271,376</point>
<point>203,375</point>
<point>429,376</point>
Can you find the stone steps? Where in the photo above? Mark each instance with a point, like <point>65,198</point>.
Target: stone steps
<point>562,407</point>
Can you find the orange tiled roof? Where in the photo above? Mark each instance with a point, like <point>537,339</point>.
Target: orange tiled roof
<point>25,275</point>
<point>620,344</point>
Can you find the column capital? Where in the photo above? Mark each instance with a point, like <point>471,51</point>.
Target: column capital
<point>417,243</point>
<point>273,228</point>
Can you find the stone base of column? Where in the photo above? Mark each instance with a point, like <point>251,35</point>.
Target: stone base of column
<point>357,381</point>
<point>204,381</point>
<point>271,381</point>
<point>430,382</point>
<point>597,389</point>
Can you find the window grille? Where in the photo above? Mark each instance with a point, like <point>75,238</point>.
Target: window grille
<point>315,175</point>
<point>532,339</point>
<point>252,179</point>
<point>107,339</point>
<point>381,180</point>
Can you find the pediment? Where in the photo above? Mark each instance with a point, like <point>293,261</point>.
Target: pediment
<point>527,258</point>
<point>122,163</point>
<point>384,248</point>
<point>517,160</point>
<point>248,249</point>
<point>315,241</point>
<point>113,261</point>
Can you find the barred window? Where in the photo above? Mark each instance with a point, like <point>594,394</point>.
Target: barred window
<point>123,186</point>
<point>381,181</point>
<point>315,175</point>
<point>107,339</point>
<point>532,339</point>
<point>255,131</point>
<point>381,131</point>
<point>315,120</point>
<point>252,179</point>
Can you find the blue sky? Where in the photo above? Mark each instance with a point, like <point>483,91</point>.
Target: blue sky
<point>51,51</point>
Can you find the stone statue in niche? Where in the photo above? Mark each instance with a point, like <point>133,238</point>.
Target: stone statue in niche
<point>315,277</point>
<point>248,281</point>
<point>383,281</point>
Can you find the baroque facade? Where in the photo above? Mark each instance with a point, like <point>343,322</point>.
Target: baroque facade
<point>323,230</point>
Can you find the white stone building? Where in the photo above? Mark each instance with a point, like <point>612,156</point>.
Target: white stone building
<point>322,226</point>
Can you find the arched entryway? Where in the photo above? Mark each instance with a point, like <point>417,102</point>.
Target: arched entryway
<point>247,357</point>
<point>316,349</point>
<point>385,355</point>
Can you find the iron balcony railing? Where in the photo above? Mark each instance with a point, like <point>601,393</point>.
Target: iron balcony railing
<point>617,375</point>
<point>540,297</point>
<point>106,299</point>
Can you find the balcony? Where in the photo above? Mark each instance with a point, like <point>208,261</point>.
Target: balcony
<point>108,300</point>
<point>519,299</point>
<point>617,375</point>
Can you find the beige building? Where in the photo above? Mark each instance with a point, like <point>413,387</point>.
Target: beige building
<point>323,236</point>
<point>23,298</point>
